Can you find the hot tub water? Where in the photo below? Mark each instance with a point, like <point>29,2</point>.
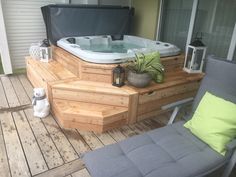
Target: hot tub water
<point>114,47</point>
<point>104,49</point>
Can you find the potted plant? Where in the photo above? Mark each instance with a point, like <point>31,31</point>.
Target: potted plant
<point>145,68</point>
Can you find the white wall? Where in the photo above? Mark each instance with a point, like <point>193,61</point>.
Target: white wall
<point>24,25</point>
<point>4,49</point>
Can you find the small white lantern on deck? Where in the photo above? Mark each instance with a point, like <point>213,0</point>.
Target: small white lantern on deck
<point>45,51</point>
<point>194,57</point>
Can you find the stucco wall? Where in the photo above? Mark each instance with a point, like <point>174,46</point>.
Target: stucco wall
<point>145,19</point>
<point>146,14</point>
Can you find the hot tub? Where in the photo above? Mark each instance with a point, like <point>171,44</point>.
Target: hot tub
<point>114,49</point>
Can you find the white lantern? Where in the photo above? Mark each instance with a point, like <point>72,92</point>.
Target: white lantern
<point>194,58</point>
<point>45,51</point>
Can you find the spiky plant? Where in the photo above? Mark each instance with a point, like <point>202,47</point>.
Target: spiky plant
<point>150,64</point>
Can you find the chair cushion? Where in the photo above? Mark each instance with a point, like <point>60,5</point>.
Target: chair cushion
<point>219,80</point>
<point>170,151</point>
<point>214,122</point>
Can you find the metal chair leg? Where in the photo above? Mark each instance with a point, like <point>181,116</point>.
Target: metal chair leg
<point>173,115</point>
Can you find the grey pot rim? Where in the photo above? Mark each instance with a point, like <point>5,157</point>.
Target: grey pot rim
<point>139,74</point>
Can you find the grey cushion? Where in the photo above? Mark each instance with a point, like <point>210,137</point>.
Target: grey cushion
<point>164,152</point>
<point>220,80</point>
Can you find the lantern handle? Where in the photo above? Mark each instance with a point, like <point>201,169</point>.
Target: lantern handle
<point>199,38</point>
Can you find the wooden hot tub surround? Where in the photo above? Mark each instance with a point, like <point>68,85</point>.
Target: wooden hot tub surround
<point>81,94</point>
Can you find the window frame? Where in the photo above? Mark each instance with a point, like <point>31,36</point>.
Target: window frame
<point>232,47</point>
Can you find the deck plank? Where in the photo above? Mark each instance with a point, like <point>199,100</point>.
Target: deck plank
<point>105,138</point>
<point>151,124</point>
<point>127,131</point>
<point>3,100</point>
<point>77,141</point>
<point>117,135</point>
<point>64,170</point>
<point>91,139</point>
<point>17,161</point>
<point>9,91</point>
<point>82,173</point>
<point>4,167</point>
<point>32,151</point>
<point>137,128</point>
<point>43,143</point>
<point>63,145</point>
<point>163,118</point>
<point>16,157</point>
<point>20,92</point>
<point>26,84</point>
<point>48,147</point>
<point>33,154</point>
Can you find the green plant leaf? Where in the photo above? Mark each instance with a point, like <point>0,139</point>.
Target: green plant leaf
<point>149,63</point>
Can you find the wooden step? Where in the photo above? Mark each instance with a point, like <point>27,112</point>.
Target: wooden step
<point>89,116</point>
<point>42,74</point>
<point>91,92</point>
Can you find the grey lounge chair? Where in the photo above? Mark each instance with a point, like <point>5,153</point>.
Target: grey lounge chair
<point>171,151</point>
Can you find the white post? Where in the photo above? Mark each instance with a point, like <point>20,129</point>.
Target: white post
<point>159,20</point>
<point>130,3</point>
<point>232,45</point>
<point>4,49</point>
<point>192,21</point>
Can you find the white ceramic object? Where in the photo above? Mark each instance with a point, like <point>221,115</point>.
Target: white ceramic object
<point>40,103</point>
<point>34,50</point>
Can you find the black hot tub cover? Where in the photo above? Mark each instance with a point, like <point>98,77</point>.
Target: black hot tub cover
<point>83,20</point>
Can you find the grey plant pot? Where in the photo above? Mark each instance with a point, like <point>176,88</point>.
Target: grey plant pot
<point>139,80</point>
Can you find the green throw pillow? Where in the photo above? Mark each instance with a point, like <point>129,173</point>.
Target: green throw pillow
<point>214,122</point>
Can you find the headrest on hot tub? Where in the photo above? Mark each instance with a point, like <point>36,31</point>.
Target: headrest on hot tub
<point>85,20</point>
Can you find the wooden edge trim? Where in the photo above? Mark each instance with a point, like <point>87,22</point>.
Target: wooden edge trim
<point>123,93</point>
<point>64,170</point>
<point>133,107</point>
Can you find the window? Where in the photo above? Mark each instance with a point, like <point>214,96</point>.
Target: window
<point>175,21</point>
<point>215,19</point>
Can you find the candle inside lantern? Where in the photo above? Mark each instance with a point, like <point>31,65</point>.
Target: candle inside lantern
<point>118,76</point>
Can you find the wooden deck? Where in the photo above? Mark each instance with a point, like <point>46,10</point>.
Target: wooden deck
<point>31,146</point>
<point>82,96</point>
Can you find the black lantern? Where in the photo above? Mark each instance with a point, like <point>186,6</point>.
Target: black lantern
<point>118,74</point>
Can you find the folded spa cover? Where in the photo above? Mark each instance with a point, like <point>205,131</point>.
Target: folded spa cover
<point>83,20</point>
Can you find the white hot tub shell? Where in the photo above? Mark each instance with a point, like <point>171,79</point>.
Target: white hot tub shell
<point>106,49</point>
